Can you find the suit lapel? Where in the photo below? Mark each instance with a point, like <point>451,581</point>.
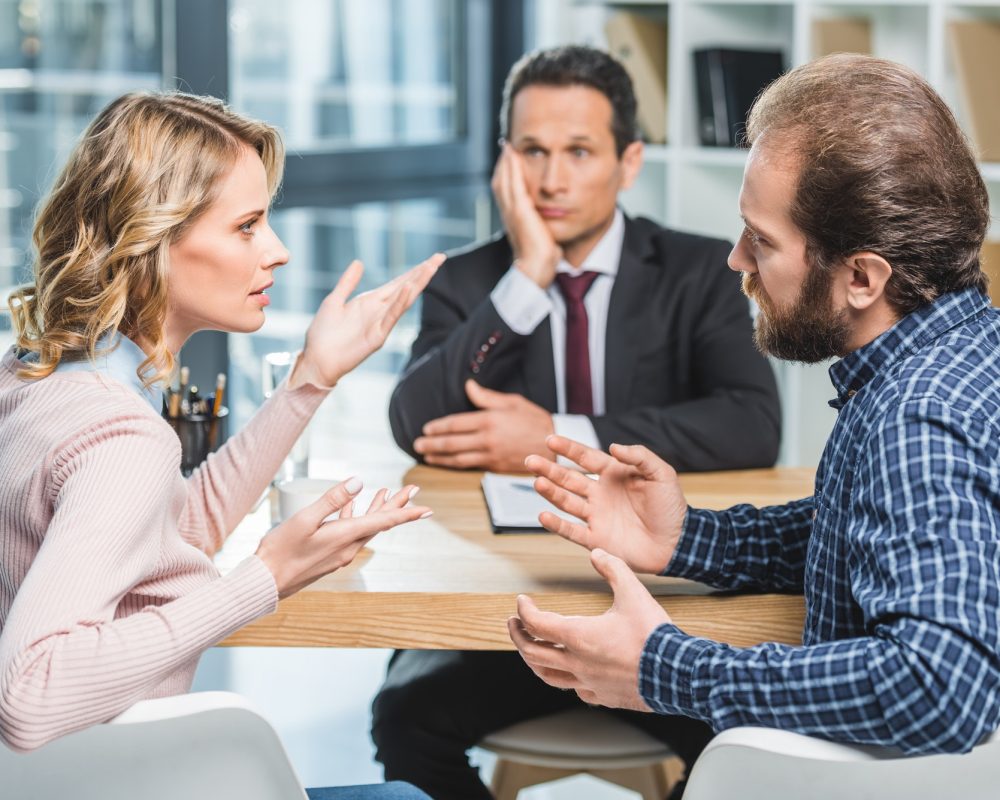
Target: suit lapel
<point>628,304</point>
<point>539,371</point>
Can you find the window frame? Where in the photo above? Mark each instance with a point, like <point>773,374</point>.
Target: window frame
<point>200,33</point>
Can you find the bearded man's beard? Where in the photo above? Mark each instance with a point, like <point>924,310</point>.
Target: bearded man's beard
<point>811,330</point>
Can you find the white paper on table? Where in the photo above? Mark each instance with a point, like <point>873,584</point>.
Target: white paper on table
<point>514,505</point>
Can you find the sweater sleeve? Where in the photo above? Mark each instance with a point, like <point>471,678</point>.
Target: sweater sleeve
<point>67,659</point>
<point>223,489</point>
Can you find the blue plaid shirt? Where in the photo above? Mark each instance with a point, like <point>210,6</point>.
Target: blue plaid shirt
<point>897,553</point>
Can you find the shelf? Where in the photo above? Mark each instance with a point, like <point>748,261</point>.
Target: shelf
<point>730,157</point>
<point>655,153</point>
<point>990,171</point>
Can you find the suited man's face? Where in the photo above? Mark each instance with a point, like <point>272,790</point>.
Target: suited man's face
<point>571,169</point>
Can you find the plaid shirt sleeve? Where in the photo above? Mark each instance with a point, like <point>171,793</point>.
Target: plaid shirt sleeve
<point>745,547</point>
<point>923,553</point>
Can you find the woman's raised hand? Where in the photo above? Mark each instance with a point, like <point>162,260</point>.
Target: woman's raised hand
<point>345,330</point>
<point>305,547</point>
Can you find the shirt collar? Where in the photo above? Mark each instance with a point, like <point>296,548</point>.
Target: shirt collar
<point>913,331</point>
<point>120,364</point>
<point>607,253</point>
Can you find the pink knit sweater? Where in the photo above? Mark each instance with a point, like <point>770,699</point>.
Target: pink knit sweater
<point>108,594</point>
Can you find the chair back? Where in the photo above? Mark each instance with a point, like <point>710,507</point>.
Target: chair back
<point>203,746</point>
<point>766,764</point>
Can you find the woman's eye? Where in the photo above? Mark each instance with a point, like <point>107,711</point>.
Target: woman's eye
<point>248,226</point>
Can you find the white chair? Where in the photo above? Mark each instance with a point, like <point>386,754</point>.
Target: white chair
<point>765,764</point>
<point>581,740</point>
<point>204,746</point>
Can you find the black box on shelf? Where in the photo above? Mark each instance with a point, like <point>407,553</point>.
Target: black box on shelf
<point>728,81</point>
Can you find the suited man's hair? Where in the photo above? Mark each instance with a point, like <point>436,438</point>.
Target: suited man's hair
<point>576,65</point>
<point>883,168</point>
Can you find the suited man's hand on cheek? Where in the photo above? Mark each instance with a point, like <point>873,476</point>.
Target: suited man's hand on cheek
<point>498,437</point>
<point>536,252</point>
<point>597,657</point>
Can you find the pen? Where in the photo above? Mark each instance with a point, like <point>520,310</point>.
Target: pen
<point>220,388</point>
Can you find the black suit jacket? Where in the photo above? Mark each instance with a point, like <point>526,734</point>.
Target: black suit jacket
<point>682,375</point>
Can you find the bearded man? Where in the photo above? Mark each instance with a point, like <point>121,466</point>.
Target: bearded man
<point>865,213</point>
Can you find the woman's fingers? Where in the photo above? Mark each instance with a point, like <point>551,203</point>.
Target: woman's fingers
<point>378,500</point>
<point>376,522</point>
<point>348,281</point>
<point>418,276</point>
<point>403,496</point>
<point>334,500</point>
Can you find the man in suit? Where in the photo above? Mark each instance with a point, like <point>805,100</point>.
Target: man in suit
<point>578,321</point>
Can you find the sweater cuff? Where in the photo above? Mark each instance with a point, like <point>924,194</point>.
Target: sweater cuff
<point>667,671</point>
<point>251,593</point>
<point>306,397</point>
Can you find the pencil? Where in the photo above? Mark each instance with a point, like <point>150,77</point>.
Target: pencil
<point>173,398</point>
<point>220,388</point>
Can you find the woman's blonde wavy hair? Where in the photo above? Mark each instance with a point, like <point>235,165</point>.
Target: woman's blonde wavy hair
<point>147,167</point>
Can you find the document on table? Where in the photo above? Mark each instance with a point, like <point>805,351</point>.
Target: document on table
<point>514,505</point>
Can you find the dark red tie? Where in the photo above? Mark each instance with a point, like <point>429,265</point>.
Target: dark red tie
<point>579,393</point>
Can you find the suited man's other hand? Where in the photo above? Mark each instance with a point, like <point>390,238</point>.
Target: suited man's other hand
<point>634,510</point>
<point>536,253</point>
<point>498,437</point>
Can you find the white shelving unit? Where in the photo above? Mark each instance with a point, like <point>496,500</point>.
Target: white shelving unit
<point>695,188</point>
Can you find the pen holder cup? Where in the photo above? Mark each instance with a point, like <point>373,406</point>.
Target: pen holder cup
<point>200,434</point>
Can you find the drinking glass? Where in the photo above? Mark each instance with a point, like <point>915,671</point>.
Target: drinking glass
<point>274,369</point>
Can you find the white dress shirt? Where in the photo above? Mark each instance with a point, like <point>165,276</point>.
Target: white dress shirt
<point>522,304</point>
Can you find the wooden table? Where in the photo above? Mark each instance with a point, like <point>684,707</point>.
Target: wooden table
<point>448,582</point>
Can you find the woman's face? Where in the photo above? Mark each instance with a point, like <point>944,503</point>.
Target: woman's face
<point>222,266</point>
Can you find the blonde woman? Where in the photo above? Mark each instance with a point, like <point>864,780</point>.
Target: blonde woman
<point>157,228</point>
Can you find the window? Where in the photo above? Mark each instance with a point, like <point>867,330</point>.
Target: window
<point>386,106</point>
<point>343,75</point>
<point>60,62</point>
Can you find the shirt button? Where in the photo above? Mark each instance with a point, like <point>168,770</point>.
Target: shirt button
<point>485,348</point>
<point>851,393</point>
<point>479,359</point>
<point>475,369</point>
<point>491,340</point>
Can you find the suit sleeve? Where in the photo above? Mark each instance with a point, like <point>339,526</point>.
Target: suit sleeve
<point>454,344</point>
<point>734,419</point>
